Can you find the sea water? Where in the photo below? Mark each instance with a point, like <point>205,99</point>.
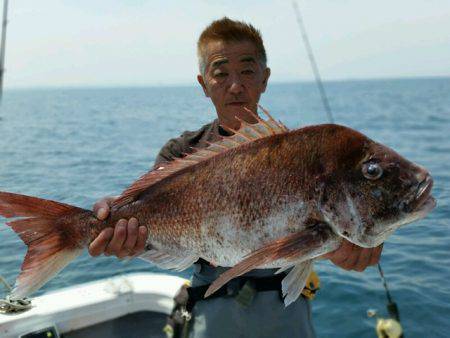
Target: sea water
<point>78,145</point>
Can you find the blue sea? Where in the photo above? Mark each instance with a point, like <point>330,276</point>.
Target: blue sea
<point>80,144</point>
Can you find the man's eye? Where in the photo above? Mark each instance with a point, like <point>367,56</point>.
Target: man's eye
<point>248,72</point>
<point>220,74</point>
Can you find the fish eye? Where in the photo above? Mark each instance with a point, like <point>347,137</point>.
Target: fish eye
<point>372,171</point>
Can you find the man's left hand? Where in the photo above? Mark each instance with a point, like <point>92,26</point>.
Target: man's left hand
<point>352,257</point>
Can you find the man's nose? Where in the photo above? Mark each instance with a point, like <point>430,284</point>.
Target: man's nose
<point>236,85</point>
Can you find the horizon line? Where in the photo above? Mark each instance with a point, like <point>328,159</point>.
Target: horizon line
<point>194,84</point>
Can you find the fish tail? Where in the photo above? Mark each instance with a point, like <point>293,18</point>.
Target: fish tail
<point>52,233</point>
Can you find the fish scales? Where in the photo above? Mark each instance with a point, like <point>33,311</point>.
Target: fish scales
<point>230,199</point>
<point>263,197</point>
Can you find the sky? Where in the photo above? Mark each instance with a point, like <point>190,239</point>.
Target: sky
<point>53,43</point>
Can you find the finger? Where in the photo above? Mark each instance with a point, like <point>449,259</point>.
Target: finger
<point>376,255</point>
<point>123,253</point>
<point>363,260</point>
<point>132,235</point>
<point>101,208</point>
<point>98,245</point>
<point>120,233</point>
<point>141,240</point>
<point>102,213</point>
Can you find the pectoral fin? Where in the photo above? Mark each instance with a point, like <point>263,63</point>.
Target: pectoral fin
<point>292,285</point>
<point>170,261</point>
<point>300,246</point>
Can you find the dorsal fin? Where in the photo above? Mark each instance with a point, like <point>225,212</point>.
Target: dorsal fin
<point>246,133</point>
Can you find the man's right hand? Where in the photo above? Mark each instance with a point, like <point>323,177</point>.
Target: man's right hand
<point>125,240</point>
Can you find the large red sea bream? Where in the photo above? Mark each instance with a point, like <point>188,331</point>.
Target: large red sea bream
<point>265,197</point>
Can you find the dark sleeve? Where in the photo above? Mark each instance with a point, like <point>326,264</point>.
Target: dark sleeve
<point>171,150</point>
<point>177,147</point>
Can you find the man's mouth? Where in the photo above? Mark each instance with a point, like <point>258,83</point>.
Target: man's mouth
<point>236,103</point>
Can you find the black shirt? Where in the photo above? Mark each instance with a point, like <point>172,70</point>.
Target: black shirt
<point>177,147</point>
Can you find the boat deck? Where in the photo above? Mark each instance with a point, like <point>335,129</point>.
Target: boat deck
<point>134,305</point>
<point>135,325</point>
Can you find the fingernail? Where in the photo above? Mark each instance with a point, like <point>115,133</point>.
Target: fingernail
<point>101,212</point>
<point>122,223</point>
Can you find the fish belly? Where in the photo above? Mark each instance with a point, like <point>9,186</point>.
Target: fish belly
<point>226,239</point>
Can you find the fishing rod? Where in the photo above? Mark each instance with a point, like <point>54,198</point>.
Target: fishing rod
<point>391,305</point>
<point>3,46</point>
<point>312,60</point>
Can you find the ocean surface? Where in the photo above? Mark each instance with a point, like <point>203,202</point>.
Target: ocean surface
<point>78,145</point>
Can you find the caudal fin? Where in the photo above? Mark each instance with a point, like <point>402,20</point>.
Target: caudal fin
<point>50,231</point>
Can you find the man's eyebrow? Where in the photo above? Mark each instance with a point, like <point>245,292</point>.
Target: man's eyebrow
<point>248,59</point>
<point>218,63</point>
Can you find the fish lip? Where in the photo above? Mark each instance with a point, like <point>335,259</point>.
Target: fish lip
<point>428,204</point>
<point>422,195</point>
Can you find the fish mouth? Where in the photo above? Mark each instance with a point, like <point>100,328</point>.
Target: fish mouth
<point>421,198</point>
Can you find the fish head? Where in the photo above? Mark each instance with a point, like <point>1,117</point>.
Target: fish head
<point>376,191</point>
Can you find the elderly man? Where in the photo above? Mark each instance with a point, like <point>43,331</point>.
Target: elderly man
<point>233,74</point>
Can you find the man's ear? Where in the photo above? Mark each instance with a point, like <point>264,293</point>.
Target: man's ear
<point>266,75</point>
<point>201,80</point>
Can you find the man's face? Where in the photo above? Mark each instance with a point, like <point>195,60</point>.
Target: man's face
<point>233,77</point>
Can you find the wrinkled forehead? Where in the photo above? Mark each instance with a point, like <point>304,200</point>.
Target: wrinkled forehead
<point>218,53</point>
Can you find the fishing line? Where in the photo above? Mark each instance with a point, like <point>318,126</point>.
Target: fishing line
<point>5,283</point>
<point>8,305</point>
<point>391,305</point>
<point>313,62</point>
